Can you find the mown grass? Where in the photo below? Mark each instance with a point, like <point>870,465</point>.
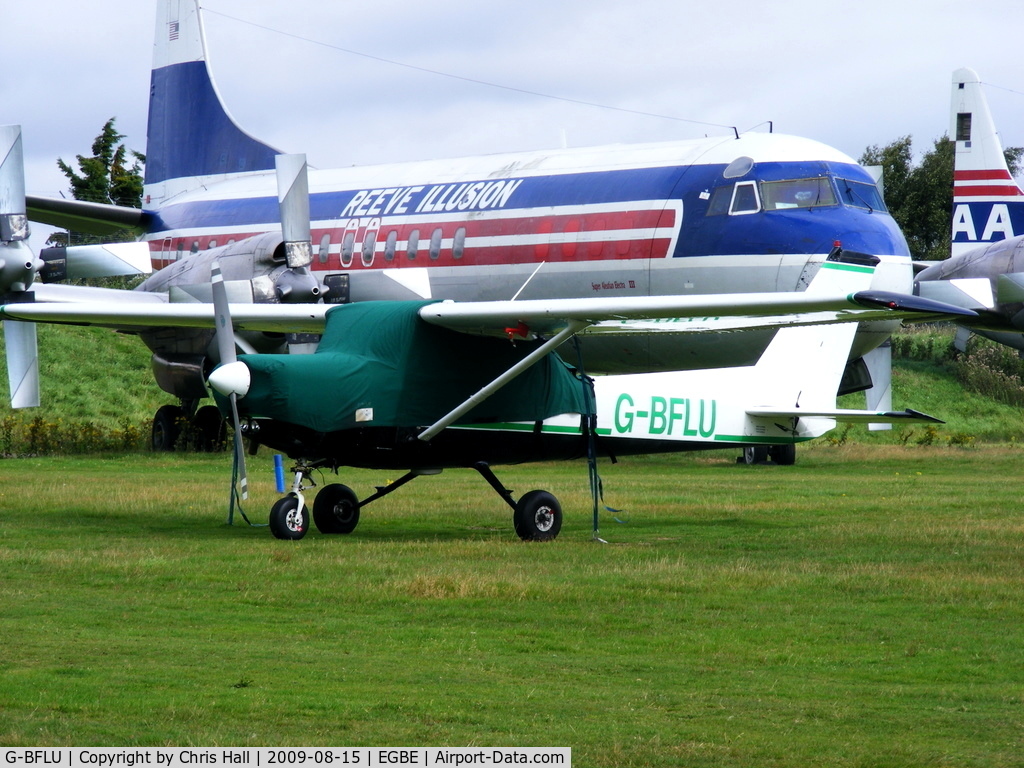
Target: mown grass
<point>862,608</point>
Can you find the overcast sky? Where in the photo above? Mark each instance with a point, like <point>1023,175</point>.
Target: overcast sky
<point>849,74</point>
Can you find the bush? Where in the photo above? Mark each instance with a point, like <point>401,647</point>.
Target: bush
<point>39,436</point>
<point>992,370</point>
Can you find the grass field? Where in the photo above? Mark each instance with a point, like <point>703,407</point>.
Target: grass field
<point>863,608</point>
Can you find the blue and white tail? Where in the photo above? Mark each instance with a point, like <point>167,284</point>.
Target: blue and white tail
<point>988,205</point>
<point>192,139</point>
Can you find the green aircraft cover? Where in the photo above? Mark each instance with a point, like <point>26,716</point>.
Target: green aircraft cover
<point>381,356</point>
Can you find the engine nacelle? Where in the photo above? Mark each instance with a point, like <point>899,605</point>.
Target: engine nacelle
<point>181,375</point>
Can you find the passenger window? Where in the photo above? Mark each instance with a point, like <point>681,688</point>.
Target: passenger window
<point>413,246</point>
<point>325,248</point>
<point>459,246</point>
<point>370,244</point>
<point>435,244</point>
<point>390,245</point>
<point>347,247</point>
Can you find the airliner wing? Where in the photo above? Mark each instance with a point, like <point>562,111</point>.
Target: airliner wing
<point>297,318</point>
<point>715,312</point>
<point>80,216</point>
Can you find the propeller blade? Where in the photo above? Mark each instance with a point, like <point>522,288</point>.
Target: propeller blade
<point>225,334</point>
<point>243,480</point>
<point>293,200</point>
<point>224,329</point>
<point>22,363</point>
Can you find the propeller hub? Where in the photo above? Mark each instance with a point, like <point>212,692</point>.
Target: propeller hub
<point>231,379</point>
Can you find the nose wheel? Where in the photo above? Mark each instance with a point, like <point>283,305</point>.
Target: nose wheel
<point>289,518</point>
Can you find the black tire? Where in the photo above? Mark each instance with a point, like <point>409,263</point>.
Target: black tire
<point>783,455</point>
<point>209,430</point>
<point>287,521</point>
<point>336,509</point>
<point>538,516</point>
<point>755,454</point>
<point>166,428</point>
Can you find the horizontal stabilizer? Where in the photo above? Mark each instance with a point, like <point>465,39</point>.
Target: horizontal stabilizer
<point>845,415</point>
<point>1010,288</point>
<point>970,292</point>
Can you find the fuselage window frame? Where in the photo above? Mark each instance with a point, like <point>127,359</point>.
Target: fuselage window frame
<point>745,194</point>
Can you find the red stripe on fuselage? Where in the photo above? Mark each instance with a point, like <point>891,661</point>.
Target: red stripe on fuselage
<point>588,236</point>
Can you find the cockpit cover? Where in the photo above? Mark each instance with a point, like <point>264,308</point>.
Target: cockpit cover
<point>379,364</point>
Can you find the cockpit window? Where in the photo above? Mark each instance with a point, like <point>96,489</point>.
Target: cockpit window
<point>860,195</point>
<point>796,193</point>
<point>734,199</point>
<point>744,199</point>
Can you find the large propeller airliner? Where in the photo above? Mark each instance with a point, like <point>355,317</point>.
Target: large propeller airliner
<point>756,212</point>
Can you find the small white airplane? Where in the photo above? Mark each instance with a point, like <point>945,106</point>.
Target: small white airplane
<point>985,271</point>
<point>750,213</point>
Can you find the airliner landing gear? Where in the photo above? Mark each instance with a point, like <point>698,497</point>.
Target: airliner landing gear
<point>202,430</point>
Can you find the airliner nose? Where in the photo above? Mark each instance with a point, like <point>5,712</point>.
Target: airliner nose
<point>231,379</point>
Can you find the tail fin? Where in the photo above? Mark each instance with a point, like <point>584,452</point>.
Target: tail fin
<point>803,365</point>
<point>192,139</point>
<point>988,205</point>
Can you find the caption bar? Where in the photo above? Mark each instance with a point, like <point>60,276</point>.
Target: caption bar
<point>266,757</point>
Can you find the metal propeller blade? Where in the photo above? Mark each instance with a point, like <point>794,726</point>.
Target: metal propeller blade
<point>225,334</point>
<point>297,284</point>
<point>18,267</point>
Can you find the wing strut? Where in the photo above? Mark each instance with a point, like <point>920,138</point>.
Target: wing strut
<point>574,327</point>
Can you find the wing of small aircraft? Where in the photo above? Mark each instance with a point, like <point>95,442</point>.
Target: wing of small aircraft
<point>716,312</point>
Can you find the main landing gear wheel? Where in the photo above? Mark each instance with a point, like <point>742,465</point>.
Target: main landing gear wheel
<point>336,509</point>
<point>209,430</point>
<point>166,428</point>
<point>755,454</point>
<point>537,516</point>
<point>783,455</point>
<point>287,520</point>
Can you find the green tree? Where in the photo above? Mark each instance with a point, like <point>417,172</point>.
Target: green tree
<point>920,196</point>
<point>111,175</point>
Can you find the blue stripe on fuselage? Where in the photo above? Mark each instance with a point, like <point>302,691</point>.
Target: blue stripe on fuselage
<point>793,231</point>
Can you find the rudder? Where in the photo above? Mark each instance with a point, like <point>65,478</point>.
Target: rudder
<point>192,138</point>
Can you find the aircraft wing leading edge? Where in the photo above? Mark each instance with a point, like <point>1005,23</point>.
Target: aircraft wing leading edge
<point>500,318</point>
